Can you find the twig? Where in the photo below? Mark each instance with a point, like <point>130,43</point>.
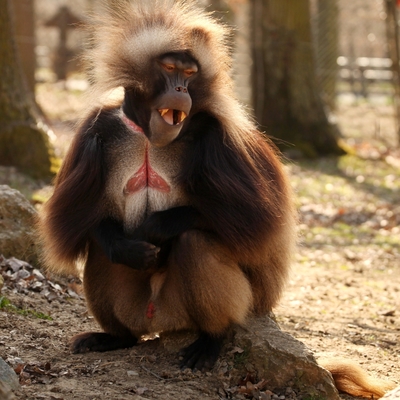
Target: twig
<point>156,375</point>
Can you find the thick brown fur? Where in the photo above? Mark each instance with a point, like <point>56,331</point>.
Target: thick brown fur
<point>350,378</point>
<point>232,175</point>
<point>221,166</point>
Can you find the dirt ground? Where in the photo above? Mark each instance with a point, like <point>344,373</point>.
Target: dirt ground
<point>343,297</point>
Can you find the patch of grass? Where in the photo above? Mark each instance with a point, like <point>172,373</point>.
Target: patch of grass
<point>314,397</point>
<point>240,359</point>
<point>386,241</point>
<point>6,305</point>
<point>332,180</point>
<point>338,233</point>
<point>4,302</point>
<point>376,176</point>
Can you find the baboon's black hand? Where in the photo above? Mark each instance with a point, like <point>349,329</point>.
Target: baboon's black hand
<point>165,225</point>
<point>134,252</point>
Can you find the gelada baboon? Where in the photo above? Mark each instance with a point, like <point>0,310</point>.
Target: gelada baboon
<point>178,206</point>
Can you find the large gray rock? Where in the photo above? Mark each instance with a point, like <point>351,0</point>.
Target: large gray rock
<point>264,351</point>
<point>17,235</point>
<point>8,378</point>
<point>281,359</point>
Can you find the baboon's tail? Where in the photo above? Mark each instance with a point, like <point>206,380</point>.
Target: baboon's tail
<point>350,378</point>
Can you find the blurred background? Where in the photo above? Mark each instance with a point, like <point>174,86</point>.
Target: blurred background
<point>321,77</point>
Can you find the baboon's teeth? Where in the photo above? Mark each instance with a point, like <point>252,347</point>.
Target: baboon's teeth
<point>172,117</point>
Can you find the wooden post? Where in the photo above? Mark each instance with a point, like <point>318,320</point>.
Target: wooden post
<point>63,20</point>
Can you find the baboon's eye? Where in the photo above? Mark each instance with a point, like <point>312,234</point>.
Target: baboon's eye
<point>168,67</point>
<point>189,72</point>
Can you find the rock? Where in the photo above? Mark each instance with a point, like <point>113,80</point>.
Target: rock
<point>264,351</point>
<point>173,342</point>
<point>17,234</point>
<point>8,378</point>
<point>393,394</point>
<point>280,359</point>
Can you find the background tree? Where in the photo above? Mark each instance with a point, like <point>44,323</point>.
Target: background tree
<point>286,94</point>
<point>327,48</point>
<point>24,24</point>
<point>393,37</point>
<point>23,140</point>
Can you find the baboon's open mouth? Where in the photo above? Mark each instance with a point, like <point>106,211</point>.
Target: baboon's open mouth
<point>172,117</point>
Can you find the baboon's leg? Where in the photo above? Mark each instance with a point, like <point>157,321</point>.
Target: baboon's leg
<point>108,287</point>
<point>215,293</point>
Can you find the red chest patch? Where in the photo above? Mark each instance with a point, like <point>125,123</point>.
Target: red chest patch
<point>151,309</point>
<point>145,177</point>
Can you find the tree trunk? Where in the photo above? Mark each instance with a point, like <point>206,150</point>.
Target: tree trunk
<point>24,23</point>
<point>327,47</point>
<point>23,141</point>
<point>287,99</point>
<point>236,13</point>
<point>393,38</point>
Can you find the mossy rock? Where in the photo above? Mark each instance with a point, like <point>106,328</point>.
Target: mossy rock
<point>28,148</point>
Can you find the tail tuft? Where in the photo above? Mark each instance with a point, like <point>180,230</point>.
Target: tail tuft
<point>350,378</point>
